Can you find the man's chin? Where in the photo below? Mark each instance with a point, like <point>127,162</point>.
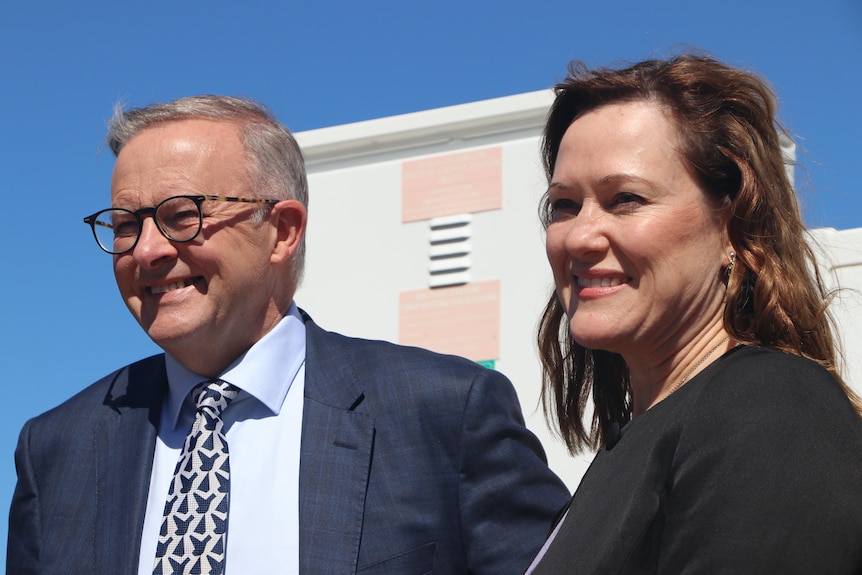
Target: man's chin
<point>173,338</point>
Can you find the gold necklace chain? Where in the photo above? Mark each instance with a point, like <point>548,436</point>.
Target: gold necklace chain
<point>693,369</point>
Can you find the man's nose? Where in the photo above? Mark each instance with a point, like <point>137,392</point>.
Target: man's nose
<point>152,246</point>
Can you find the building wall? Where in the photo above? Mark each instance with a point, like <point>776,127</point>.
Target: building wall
<point>840,257</point>
<point>369,260</point>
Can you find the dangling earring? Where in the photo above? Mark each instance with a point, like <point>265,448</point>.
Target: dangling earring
<point>730,265</point>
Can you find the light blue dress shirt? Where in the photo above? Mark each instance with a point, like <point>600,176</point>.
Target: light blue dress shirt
<point>263,426</point>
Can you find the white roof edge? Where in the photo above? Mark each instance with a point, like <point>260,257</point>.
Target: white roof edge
<point>473,119</point>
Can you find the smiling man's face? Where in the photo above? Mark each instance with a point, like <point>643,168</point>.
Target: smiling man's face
<point>206,301</point>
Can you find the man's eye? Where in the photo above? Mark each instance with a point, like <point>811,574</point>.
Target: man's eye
<point>126,228</point>
<point>186,217</point>
<point>181,219</point>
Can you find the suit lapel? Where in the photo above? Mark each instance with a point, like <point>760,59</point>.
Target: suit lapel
<point>124,444</point>
<point>335,458</point>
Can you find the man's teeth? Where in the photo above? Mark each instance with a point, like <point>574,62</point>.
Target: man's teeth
<point>168,287</point>
<point>598,282</point>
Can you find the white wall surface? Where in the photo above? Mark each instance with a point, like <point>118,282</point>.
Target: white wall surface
<point>840,258</point>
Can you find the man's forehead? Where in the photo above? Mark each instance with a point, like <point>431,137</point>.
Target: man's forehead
<point>179,157</point>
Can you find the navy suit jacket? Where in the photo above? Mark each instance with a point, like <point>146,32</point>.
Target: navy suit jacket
<point>411,462</point>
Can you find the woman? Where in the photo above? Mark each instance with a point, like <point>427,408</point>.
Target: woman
<point>687,309</point>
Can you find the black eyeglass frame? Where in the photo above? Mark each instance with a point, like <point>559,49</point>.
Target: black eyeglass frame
<point>139,214</point>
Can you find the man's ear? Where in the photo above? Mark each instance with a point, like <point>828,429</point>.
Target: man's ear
<point>290,217</point>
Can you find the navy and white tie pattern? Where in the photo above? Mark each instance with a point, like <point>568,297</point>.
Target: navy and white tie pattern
<point>192,537</point>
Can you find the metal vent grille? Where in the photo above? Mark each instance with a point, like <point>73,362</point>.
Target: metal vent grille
<point>449,250</point>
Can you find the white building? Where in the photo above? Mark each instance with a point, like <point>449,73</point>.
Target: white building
<point>424,230</point>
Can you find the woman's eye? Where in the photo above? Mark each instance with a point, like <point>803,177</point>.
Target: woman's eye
<point>626,197</point>
<point>563,207</point>
<point>627,200</point>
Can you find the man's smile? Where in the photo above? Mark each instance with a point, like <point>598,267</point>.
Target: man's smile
<point>165,288</point>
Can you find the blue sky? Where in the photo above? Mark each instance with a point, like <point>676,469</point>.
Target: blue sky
<point>318,64</point>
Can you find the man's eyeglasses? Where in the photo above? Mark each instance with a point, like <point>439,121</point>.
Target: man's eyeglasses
<point>178,218</point>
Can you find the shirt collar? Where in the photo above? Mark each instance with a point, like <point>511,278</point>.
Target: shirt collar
<point>264,372</point>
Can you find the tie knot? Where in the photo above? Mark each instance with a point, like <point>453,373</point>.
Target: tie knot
<point>216,395</point>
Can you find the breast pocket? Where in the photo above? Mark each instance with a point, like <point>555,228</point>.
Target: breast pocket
<point>419,561</point>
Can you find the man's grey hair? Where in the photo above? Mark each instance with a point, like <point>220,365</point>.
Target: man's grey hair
<point>275,169</point>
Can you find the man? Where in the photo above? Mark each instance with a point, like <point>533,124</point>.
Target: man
<point>332,455</point>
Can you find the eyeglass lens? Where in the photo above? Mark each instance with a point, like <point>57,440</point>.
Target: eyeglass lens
<point>117,229</point>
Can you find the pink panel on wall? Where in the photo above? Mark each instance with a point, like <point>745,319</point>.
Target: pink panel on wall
<point>462,320</point>
<point>452,184</point>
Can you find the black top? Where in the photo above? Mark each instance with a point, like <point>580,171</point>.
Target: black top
<point>754,466</point>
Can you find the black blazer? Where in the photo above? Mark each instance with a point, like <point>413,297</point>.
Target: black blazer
<point>754,466</point>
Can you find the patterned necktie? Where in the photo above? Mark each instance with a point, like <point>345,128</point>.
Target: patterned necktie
<point>192,537</point>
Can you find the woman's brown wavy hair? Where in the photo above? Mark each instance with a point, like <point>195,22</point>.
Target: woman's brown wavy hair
<point>729,139</point>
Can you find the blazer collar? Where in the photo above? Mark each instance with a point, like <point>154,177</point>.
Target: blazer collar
<point>125,442</point>
<point>331,377</point>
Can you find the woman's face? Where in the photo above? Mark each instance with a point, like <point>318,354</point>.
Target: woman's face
<point>636,247</point>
